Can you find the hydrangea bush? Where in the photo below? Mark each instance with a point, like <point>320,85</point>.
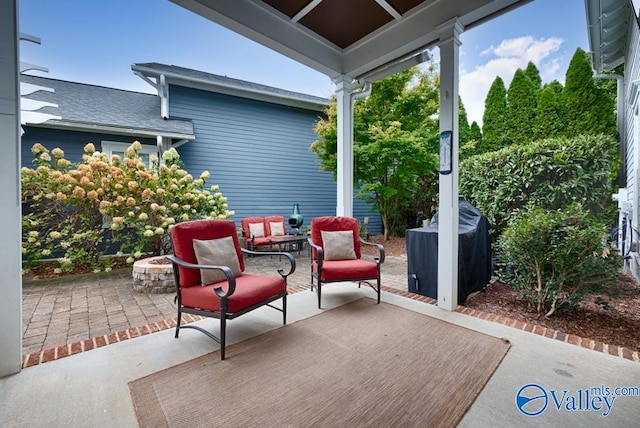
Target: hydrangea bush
<point>78,213</point>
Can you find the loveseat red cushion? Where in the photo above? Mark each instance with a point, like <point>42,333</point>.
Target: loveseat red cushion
<point>250,289</point>
<point>261,241</point>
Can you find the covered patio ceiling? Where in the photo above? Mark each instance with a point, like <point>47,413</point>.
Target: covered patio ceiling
<point>354,38</point>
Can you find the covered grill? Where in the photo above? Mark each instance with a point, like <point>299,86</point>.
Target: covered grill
<point>474,254</point>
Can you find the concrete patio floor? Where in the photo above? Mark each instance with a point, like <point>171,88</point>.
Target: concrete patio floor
<point>90,388</point>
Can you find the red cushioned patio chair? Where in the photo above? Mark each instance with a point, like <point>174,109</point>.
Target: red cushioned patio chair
<point>208,268</point>
<point>336,254</point>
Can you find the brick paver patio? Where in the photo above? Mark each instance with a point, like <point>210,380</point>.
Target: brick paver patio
<point>64,316</point>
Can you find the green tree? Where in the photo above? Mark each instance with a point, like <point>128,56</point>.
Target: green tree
<point>476,133</point>
<point>610,86</point>
<point>494,128</point>
<point>471,147</point>
<point>464,130</point>
<point>533,74</point>
<point>392,162</point>
<point>589,110</point>
<point>549,121</point>
<point>521,108</point>
<point>395,144</point>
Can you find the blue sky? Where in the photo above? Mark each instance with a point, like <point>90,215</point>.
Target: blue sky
<point>96,42</point>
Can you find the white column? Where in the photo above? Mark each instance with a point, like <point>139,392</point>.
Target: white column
<point>344,180</point>
<point>449,45</point>
<point>10,215</point>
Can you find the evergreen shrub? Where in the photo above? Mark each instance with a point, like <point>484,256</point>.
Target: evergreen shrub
<point>556,257</point>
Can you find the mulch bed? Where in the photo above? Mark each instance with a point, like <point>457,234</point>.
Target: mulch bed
<point>611,320</point>
<point>46,269</point>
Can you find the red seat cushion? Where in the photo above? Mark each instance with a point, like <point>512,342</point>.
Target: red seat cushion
<point>250,289</point>
<point>338,270</point>
<point>261,241</point>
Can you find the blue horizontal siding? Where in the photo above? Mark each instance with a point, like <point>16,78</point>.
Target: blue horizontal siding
<point>258,153</point>
<point>71,142</point>
<point>362,210</point>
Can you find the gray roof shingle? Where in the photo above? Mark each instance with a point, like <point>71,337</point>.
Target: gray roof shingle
<point>87,107</point>
<point>222,84</point>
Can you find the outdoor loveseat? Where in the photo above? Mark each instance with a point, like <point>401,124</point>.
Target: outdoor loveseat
<point>260,231</point>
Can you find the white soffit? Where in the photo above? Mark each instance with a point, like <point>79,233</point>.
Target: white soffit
<point>609,23</point>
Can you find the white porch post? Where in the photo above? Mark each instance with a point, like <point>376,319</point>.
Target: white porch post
<point>449,44</point>
<point>10,254</point>
<point>344,180</point>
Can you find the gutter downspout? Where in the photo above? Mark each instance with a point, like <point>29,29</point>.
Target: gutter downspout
<point>160,147</point>
<point>179,143</point>
<point>364,93</point>
<point>163,93</point>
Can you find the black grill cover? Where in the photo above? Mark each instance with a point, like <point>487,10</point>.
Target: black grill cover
<point>474,254</point>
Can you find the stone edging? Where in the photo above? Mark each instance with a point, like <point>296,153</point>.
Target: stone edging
<point>52,354</point>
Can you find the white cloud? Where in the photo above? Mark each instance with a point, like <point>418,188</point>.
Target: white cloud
<point>503,61</point>
<point>551,71</point>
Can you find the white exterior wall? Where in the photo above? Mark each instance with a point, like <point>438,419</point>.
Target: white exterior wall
<point>630,137</point>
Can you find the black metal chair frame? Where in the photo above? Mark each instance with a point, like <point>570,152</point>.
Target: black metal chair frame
<point>222,314</point>
<point>318,275</point>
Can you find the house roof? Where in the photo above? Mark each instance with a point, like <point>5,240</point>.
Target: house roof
<point>83,107</point>
<point>608,22</point>
<point>347,38</point>
<point>227,85</point>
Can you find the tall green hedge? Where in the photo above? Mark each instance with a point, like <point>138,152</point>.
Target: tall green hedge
<point>550,173</point>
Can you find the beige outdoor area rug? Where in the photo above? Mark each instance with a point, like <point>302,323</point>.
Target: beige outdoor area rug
<point>361,364</point>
